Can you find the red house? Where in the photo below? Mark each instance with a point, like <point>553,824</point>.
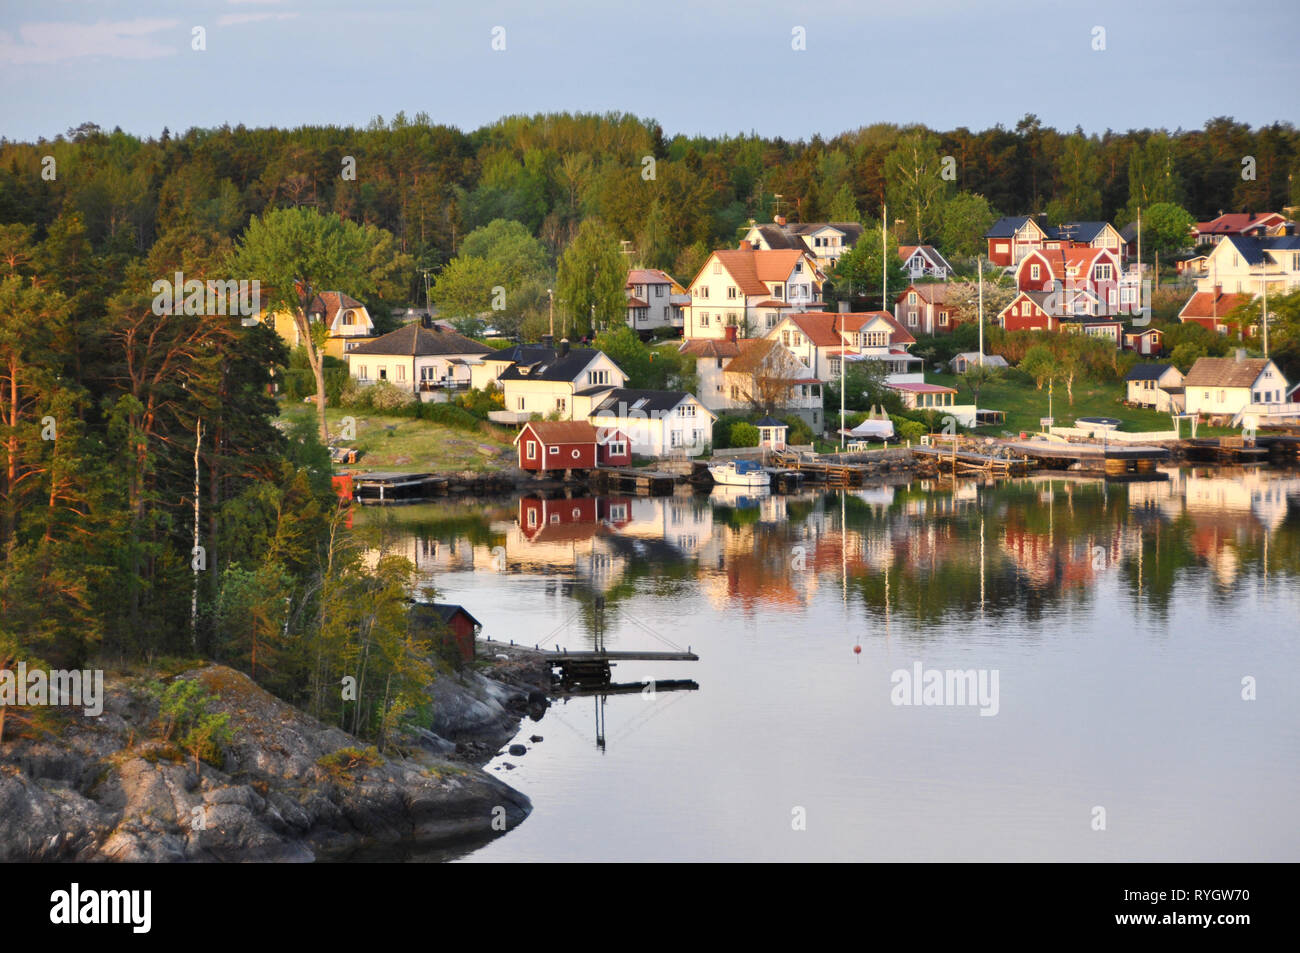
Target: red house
<point>1028,311</point>
<point>1080,268</point>
<point>1147,341</point>
<point>459,627</point>
<point>553,445</point>
<point>573,518</point>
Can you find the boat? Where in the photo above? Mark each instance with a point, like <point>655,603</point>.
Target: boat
<point>748,473</point>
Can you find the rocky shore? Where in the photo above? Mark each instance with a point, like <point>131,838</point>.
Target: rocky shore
<point>290,789</point>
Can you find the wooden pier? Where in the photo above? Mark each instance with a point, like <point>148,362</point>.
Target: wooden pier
<point>1233,449</point>
<point>969,463</point>
<point>647,482</point>
<point>1114,460</point>
<point>385,488</point>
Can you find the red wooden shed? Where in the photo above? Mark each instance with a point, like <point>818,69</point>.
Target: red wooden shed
<point>545,445</point>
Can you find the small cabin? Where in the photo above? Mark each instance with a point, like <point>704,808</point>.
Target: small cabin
<point>459,627</point>
<point>771,433</point>
<point>551,445</point>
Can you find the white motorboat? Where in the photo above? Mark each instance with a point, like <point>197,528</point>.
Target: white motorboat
<point>747,473</point>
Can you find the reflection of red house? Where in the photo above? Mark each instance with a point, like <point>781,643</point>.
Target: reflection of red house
<point>575,518</point>
<point>546,445</point>
<point>460,627</point>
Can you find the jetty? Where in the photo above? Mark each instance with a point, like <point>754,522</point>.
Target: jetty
<point>970,463</point>
<point>1231,449</point>
<point>1112,459</point>
<point>383,488</point>
<point>643,482</point>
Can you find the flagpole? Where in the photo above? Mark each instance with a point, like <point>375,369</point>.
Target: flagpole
<point>980,261</point>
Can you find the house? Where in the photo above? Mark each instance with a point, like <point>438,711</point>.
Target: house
<point>825,241</point>
<point>1146,341</point>
<point>968,359</point>
<point>347,321</point>
<point>1227,386</point>
<point>1239,224</point>
<point>1076,268</point>
<point>750,289</point>
<point>922,396</point>
<point>755,373</point>
<point>459,626</point>
<point>540,379</point>
<point>423,360</point>
<point>546,446</point>
<point>1241,264</point>
<point>1011,238</point>
<point>654,300</point>
<point>1210,308</point>
<point>657,422</point>
<point>926,309</point>
<point>1195,265</point>
<point>771,433</point>
<point>1158,386</point>
<point>924,261</point>
<point>1029,311</point>
<point>1062,311</point>
<point>820,338</point>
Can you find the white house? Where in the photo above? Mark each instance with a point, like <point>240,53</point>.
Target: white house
<point>1227,386</point>
<point>654,300</point>
<point>657,422</point>
<point>415,358</point>
<point>750,290</point>
<point>819,339</point>
<point>545,380</point>
<point>1158,386</point>
<point>825,241</point>
<point>755,374</point>
<point>1244,265</point>
<point>924,261</point>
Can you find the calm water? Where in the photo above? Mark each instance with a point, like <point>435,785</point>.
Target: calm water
<point>1120,620</point>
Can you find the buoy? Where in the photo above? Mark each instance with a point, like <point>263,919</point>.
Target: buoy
<point>857,650</point>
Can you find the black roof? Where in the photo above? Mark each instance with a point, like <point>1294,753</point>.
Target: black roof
<point>445,611</point>
<point>1076,231</point>
<point>770,421</point>
<point>632,399</point>
<point>1006,226</point>
<point>547,363</point>
<point>1252,249</point>
<point>1147,372</point>
<point>415,340</point>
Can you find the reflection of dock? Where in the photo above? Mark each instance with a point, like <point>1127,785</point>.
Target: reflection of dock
<point>630,688</point>
<point>592,668</point>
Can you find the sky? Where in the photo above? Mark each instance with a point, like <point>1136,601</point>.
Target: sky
<point>708,67</point>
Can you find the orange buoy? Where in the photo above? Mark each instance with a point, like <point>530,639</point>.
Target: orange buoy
<point>857,650</point>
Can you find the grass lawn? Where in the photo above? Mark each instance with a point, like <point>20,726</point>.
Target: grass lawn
<point>1025,405</point>
<point>406,445</point>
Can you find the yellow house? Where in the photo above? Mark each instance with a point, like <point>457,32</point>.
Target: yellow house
<point>348,321</point>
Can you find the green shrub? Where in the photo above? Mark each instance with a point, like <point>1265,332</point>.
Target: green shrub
<point>744,434</point>
<point>388,397</point>
<point>905,429</point>
<point>450,415</point>
<point>800,432</point>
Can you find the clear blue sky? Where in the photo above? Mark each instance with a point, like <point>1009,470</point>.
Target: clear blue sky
<point>708,66</point>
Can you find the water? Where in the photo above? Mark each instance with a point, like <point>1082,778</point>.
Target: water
<point>1121,620</point>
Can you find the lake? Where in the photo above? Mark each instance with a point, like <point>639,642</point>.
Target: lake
<point>1103,671</point>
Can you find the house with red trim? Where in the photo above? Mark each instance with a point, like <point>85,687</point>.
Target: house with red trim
<point>553,446</point>
<point>751,289</point>
<point>1013,237</point>
<point>1078,268</point>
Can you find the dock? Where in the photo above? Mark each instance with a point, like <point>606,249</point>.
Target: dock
<point>1114,460</point>
<point>644,482</point>
<point>384,488</point>
<point>966,462</point>
<point>1232,449</point>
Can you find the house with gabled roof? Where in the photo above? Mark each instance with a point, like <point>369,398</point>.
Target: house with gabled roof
<point>657,422</point>
<point>544,380</point>
<point>1076,268</point>
<point>925,308</point>
<point>825,241</point>
<point>1227,386</point>
<point>423,360</point>
<point>750,289</point>
<point>1240,224</point>
<point>346,319</point>
<point>1089,235</point>
<point>1158,386</point>
<point>755,374</point>
<point>1012,237</point>
<point>821,339</point>
<point>1244,264</point>
<point>924,261</point>
<point>1211,308</point>
<point>654,300</point>
<point>547,446</point>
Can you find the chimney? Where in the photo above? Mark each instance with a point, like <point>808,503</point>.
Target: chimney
<point>548,340</point>
<point>564,347</point>
<point>731,330</point>
<point>842,306</point>
<point>1241,354</point>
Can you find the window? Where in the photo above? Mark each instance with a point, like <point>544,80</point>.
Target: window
<point>798,339</point>
<point>659,291</point>
<point>531,450</point>
<point>717,267</point>
<point>1222,396</point>
<point>553,450</point>
<point>704,319</point>
<point>731,291</point>
<point>911,319</point>
<point>785,338</point>
<point>617,448</point>
<point>561,405</point>
<point>778,291</point>
<point>519,403</point>
<point>598,377</point>
<point>532,517</point>
<point>911,297</point>
<point>401,372</point>
<point>383,373</point>
<point>365,375</point>
<point>349,317</point>
<point>675,439</point>
<point>943,318</point>
<point>798,268</point>
<point>686,410</point>
<point>1033,272</point>
<point>735,392</point>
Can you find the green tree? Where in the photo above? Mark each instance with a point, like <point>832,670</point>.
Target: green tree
<point>962,223</point>
<point>1166,228</point>
<point>914,185</point>
<point>591,278</point>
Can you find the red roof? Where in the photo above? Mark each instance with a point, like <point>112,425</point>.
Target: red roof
<point>561,431</point>
<point>636,303</point>
<point>923,388</point>
<point>1234,223</point>
<point>1211,304</point>
<point>751,268</point>
<point>823,328</point>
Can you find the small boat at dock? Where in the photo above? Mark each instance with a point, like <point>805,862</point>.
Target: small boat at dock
<point>746,473</point>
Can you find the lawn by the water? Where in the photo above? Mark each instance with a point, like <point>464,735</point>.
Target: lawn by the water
<point>406,445</point>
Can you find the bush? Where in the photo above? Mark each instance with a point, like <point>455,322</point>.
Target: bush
<point>905,429</point>
<point>297,383</point>
<point>482,402</point>
<point>385,396</point>
<point>450,415</point>
<point>336,379</point>
<point>743,434</point>
<point>800,432</point>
